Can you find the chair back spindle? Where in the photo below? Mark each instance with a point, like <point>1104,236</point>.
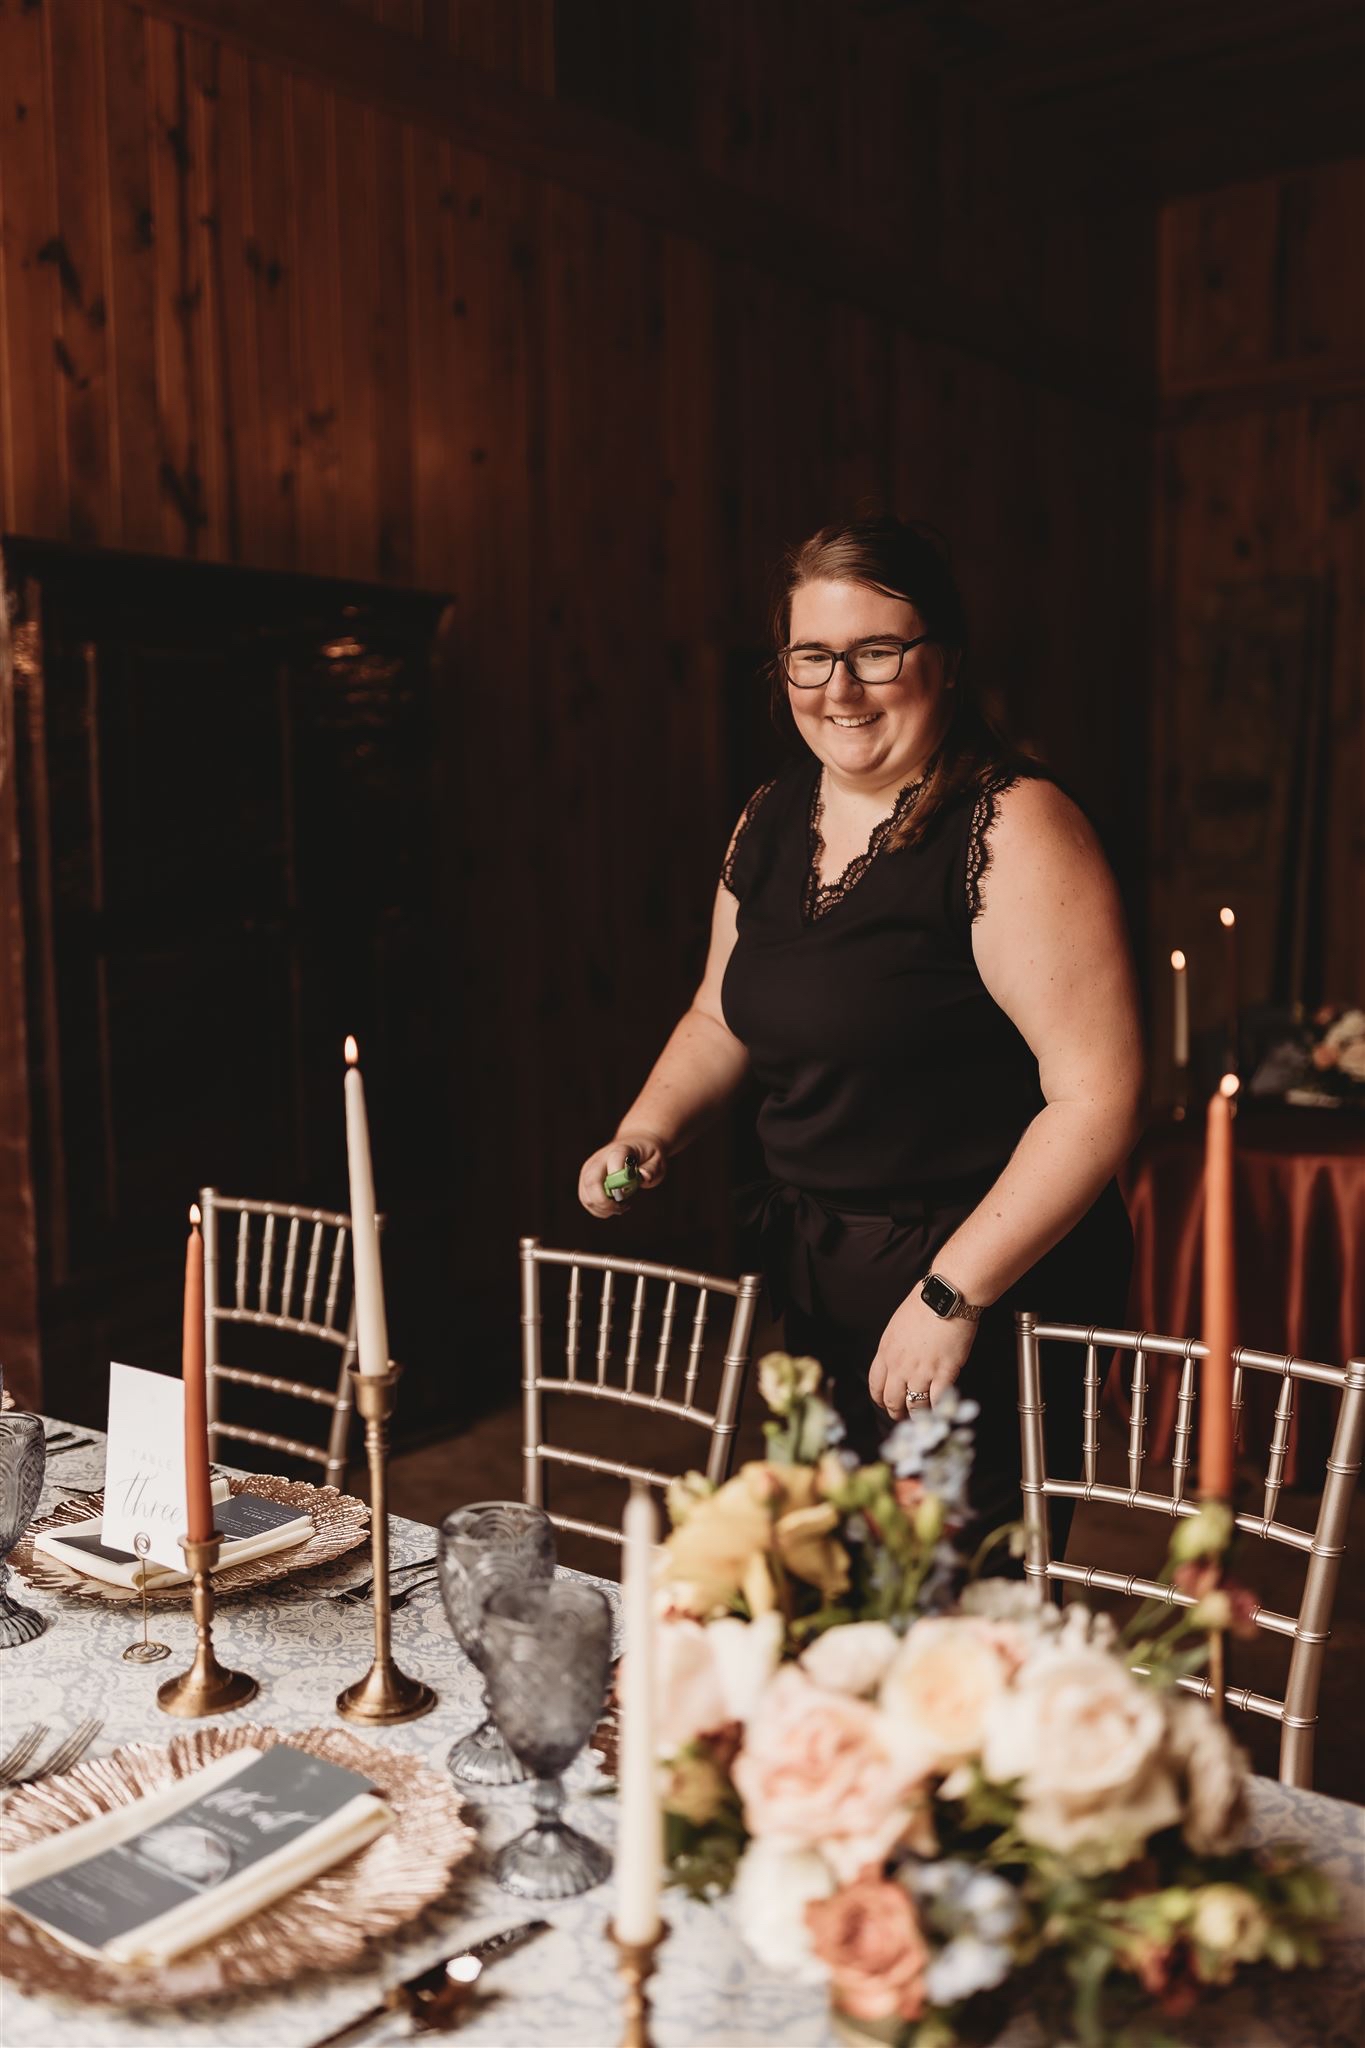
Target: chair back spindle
<point>719,1423</point>
<point>268,1302</point>
<point>1323,1546</point>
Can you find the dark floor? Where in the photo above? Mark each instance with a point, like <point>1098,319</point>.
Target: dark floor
<point>484,1463</point>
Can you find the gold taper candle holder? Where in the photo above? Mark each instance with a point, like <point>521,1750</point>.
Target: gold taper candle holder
<point>384,1694</point>
<point>636,1962</point>
<point>206,1688</point>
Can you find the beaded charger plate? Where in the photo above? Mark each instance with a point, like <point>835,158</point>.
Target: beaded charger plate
<point>340,1523</point>
<point>324,1925</point>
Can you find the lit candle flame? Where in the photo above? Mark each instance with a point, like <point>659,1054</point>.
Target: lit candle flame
<point>1229,1085</point>
<point>1178,961</point>
<point>195,1218</point>
<point>1227,918</point>
<point>352,1052</point>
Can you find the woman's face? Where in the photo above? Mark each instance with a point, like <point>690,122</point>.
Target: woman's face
<point>870,735</point>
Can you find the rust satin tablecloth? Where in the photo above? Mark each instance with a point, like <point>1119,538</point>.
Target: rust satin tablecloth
<point>1300,1257</point>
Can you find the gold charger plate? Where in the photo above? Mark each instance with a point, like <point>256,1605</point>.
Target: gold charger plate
<point>340,1523</point>
<point>324,1925</point>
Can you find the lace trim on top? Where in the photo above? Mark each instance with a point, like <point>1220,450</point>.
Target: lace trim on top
<point>751,809</point>
<point>984,813</point>
<point>821,897</point>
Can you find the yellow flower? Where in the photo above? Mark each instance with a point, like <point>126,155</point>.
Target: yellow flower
<point>684,1494</point>
<point>710,1553</point>
<point>696,1789</point>
<point>784,1380</point>
<point>807,1550</point>
<point>757,1586</point>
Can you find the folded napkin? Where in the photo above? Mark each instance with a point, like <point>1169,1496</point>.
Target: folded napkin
<point>84,1882</point>
<point>78,1545</point>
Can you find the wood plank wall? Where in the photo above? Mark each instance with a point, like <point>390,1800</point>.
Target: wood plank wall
<point>248,316</point>
<point>1260,531</point>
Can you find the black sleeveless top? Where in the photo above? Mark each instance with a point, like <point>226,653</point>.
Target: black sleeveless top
<point>888,1072</point>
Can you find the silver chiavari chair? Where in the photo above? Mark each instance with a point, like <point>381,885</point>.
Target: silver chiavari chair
<point>288,1269</point>
<point>1323,1545</point>
<point>645,1368</point>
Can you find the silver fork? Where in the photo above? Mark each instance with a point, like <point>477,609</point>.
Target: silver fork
<point>22,1753</point>
<point>405,1593</point>
<point>64,1755</point>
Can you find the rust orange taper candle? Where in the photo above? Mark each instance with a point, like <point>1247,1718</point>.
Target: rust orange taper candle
<point>198,1486</point>
<point>1220,1299</point>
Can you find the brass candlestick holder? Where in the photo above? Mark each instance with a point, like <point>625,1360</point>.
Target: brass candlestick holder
<point>206,1688</point>
<point>636,1962</point>
<point>385,1694</point>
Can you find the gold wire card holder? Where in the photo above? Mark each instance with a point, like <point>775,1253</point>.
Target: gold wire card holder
<point>144,1652</point>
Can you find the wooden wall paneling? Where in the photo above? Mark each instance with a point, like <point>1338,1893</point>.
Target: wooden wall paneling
<point>391,362</point>
<point>276,543</point>
<point>497,710</point>
<point>77,254</point>
<point>189,468</point>
<point>34,461</point>
<point>577,756</point>
<point>516,42</point>
<point>222,150</point>
<point>315,275</point>
<point>1320,307</point>
<point>431,255</point>
<point>132,296</point>
<point>359,282</point>
<point>863,459</point>
<point>1337,443</point>
<point>1218,263</point>
<point>19,1323</point>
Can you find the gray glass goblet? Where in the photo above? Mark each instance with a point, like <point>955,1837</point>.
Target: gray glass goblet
<point>548,1663</point>
<point>491,1544</point>
<point>23,1460</point>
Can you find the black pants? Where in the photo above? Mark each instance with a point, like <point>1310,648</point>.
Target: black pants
<point>842,1276</point>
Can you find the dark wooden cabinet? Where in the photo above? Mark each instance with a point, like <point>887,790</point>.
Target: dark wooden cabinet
<point>224,846</point>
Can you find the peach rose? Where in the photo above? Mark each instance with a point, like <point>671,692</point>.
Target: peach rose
<point>869,1937</point>
<point>852,1658</point>
<point>944,1681</point>
<point>821,1770</point>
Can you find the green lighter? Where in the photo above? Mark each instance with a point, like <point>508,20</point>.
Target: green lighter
<point>625,1182</point>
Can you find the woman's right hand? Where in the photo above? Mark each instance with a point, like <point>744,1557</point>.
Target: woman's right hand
<point>651,1163</point>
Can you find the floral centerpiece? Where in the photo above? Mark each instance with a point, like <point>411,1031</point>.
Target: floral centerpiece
<point>1316,1059</point>
<point>920,1783</point>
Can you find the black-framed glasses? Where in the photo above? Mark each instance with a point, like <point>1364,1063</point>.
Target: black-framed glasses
<point>870,661</point>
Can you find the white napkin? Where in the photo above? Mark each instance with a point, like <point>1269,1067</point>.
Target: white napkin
<point>199,1919</point>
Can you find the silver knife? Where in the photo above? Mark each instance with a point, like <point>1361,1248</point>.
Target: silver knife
<point>440,1983</point>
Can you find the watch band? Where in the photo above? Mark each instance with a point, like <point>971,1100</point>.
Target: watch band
<point>948,1301</point>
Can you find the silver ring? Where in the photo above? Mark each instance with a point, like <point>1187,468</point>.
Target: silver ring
<point>912,1397</point>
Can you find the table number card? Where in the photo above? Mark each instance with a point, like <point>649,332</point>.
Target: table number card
<point>144,1474</point>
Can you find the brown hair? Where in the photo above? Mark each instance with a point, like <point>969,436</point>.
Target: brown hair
<point>910,559</point>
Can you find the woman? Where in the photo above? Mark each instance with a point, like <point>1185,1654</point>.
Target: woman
<point>918,949</point>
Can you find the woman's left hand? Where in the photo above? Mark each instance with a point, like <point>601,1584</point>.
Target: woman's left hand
<point>919,1352</point>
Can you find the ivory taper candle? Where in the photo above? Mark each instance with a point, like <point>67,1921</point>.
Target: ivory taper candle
<point>1227,917</point>
<point>371,1326</point>
<point>640,1848</point>
<point>1220,1298</point>
<point>194,1371</point>
<point>1180,978</point>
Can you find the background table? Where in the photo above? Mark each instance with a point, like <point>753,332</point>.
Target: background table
<point>561,1989</point>
<point>1300,1190</point>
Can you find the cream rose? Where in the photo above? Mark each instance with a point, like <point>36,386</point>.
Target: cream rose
<point>852,1658</point>
<point>1086,1744</point>
<point>773,1886</point>
<point>819,1769</point>
<point>708,1676</point>
<point>1214,1774</point>
<point>944,1680</point>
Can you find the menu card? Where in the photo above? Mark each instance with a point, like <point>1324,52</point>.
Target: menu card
<point>250,1526</point>
<point>153,1879</point>
<point>144,1471</point>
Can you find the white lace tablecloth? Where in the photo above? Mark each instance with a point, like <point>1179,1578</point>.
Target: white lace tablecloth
<point>560,1989</point>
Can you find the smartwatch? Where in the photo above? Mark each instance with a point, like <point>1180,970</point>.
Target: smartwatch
<point>946,1300</point>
